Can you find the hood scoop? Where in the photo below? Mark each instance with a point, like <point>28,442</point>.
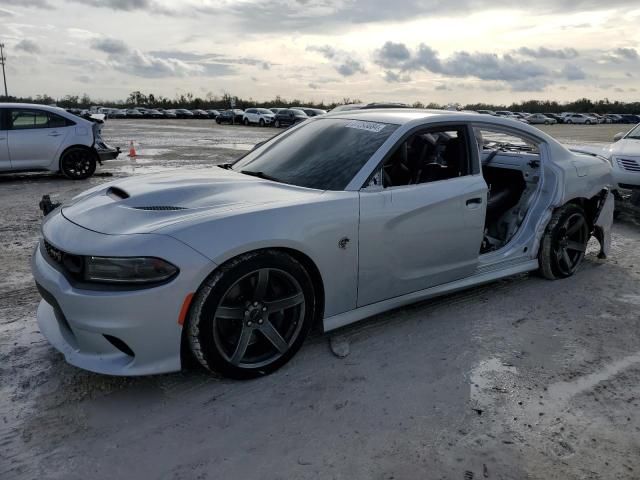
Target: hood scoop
<point>160,208</point>
<point>117,193</point>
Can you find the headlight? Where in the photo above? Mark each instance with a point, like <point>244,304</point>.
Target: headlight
<point>127,269</point>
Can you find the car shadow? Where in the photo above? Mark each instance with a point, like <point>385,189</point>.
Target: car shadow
<point>41,176</point>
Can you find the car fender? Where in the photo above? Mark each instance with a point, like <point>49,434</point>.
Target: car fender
<point>325,231</point>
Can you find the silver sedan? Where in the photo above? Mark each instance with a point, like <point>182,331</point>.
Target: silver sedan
<point>337,219</point>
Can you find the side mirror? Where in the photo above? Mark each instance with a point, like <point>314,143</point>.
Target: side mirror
<point>619,136</point>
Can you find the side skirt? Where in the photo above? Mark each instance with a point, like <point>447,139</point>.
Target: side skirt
<point>480,277</point>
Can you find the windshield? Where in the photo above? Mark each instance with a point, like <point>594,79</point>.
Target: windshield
<point>324,154</point>
<point>635,133</point>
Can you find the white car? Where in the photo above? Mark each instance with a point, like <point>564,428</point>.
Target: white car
<point>540,119</point>
<point>580,118</point>
<point>258,116</point>
<point>624,155</point>
<point>38,137</point>
<point>338,218</point>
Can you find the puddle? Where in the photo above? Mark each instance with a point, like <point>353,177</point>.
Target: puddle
<point>235,146</point>
<point>564,391</point>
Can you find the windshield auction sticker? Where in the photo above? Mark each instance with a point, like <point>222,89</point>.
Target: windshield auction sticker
<point>368,126</point>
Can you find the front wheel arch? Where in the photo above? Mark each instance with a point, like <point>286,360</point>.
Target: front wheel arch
<point>309,265</point>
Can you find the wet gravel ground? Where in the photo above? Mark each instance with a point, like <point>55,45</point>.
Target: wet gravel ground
<point>523,378</point>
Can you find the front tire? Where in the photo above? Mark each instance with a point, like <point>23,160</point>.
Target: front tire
<point>261,122</point>
<point>564,243</point>
<point>252,315</point>
<point>78,163</point>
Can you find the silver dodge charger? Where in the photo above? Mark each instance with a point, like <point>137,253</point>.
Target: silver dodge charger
<point>332,221</point>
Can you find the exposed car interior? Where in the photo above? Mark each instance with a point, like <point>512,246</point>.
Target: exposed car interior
<point>428,156</point>
<point>511,168</point>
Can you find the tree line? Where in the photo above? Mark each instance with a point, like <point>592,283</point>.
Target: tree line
<point>210,101</point>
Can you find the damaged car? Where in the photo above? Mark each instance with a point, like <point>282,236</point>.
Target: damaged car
<point>38,137</point>
<point>337,219</point>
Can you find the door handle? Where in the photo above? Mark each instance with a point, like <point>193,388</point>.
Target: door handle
<point>474,201</point>
<point>54,134</point>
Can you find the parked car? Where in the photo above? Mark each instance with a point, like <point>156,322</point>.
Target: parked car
<point>277,109</point>
<point>311,112</point>
<point>487,112</point>
<point>630,119</point>
<point>258,116</point>
<point>624,156</point>
<point>235,264</point>
<point>119,113</point>
<point>289,116</point>
<point>613,118</point>
<point>38,137</point>
<point>558,118</point>
<point>133,113</point>
<point>169,113</point>
<point>540,119</point>
<point>200,113</point>
<point>579,118</point>
<point>183,113</point>
<point>230,116</point>
<point>213,113</point>
<point>153,113</point>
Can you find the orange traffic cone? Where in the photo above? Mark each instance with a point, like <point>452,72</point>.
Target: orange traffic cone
<point>132,150</point>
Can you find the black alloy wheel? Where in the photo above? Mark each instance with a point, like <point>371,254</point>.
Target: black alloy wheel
<point>78,163</point>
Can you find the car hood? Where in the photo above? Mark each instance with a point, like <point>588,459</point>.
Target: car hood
<point>626,146</point>
<point>146,203</point>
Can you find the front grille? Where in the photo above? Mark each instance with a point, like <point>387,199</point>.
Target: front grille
<point>70,264</point>
<point>629,164</point>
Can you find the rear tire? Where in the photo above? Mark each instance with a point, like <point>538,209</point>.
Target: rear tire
<point>277,124</point>
<point>252,315</point>
<point>246,122</point>
<point>564,243</point>
<point>78,163</point>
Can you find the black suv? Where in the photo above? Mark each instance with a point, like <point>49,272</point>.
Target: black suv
<point>289,116</point>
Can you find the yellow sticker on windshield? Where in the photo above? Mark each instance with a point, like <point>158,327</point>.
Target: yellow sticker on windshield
<point>368,126</point>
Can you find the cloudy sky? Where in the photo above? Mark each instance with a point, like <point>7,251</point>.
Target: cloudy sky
<point>396,50</point>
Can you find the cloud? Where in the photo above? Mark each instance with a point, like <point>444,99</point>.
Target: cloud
<point>392,55</point>
<point>344,63</point>
<point>627,53</point>
<point>6,13</point>
<point>393,77</point>
<point>112,46</point>
<point>28,46</point>
<point>573,72</point>
<point>350,67</point>
<point>543,52</point>
<point>44,4</point>
<point>125,5</point>
<point>158,64</point>
<point>521,75</point>
<point>326,51</point>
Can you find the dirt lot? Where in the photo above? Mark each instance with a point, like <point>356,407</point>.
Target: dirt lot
<point>523,378</point>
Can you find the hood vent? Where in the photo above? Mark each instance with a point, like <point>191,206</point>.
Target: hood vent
<point>160,207</point>
<point>117,193</point>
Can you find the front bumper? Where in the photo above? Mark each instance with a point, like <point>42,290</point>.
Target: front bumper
<point>624,178</point>
<point>116,332</point>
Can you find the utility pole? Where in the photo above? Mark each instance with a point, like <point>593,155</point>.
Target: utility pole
<point>4,76</point>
